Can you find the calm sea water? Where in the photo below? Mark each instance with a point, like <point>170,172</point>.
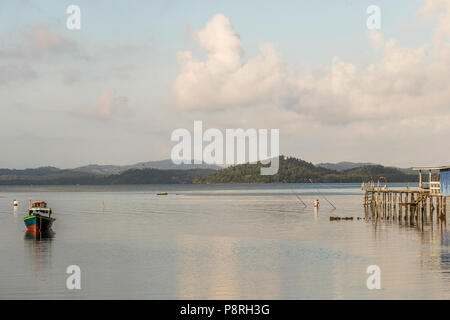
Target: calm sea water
<point>216,242</point>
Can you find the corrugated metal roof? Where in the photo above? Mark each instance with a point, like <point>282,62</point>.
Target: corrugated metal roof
<point>432,168</point>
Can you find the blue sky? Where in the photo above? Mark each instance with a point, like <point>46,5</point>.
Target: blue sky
<point>115,84</point>
<point>303,30</point>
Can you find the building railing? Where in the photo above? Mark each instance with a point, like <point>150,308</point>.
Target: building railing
<point>433,187</point>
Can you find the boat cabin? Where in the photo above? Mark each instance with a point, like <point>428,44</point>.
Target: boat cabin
<point>39,207</point>
<point>438,181</point>
<point>39,204</point>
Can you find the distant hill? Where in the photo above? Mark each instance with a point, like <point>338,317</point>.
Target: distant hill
<point>373,171</point>
<point>100,169</point>
<point>408,171</point>
<point>133,176</point>
<point>345,165</point>
<point>161,165</point>
<point>294,170</point>
<point>156,176</point>
<point>29,172</point>
<point>291,170</point>
<point>57,177</point>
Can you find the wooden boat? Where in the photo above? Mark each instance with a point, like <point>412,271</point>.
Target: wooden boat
<point>39,218</point>
<point>162,194</point>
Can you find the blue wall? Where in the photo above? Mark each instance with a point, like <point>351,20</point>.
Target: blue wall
<point>445,182</point>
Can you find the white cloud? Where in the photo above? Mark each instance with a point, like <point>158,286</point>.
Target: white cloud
<point>377,38</point>
<point>441,10</point>
<point>407,83</point>
<point>225,79</point>
<point>39,41</point>
<point>16,73</point>
<point>108,107</point>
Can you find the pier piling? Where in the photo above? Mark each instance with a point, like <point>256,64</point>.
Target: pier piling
<point>391,204</point>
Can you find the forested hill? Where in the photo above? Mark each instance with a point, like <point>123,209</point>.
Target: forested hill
<point>293,170</point>
<point>133,176</point>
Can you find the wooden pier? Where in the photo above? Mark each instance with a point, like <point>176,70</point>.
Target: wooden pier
<point>406,203</point>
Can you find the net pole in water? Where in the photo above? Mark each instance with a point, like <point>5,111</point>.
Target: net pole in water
<point>310,180</point>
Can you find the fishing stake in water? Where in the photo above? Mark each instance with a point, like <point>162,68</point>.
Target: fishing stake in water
<point>323,196</point>
<point>298,197</point>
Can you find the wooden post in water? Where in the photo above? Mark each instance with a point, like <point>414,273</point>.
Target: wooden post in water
<point>395,205</point>
<point>391,197</point>
<point>424,206</point>
<point>438,208</point>
<point>386,207</point>
<point>445,207</point>
<point>403,204</point>
<point>431,208</point>
<point>400,206</point>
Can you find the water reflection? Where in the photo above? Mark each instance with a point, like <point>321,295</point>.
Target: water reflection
<point>39,252</point>
<point>16,215</point>
<point>206,271</point>
<point>224,268</point>
<point>428,230</point>
<point>248,244</point>
<point>429,251</point>
<point>445,254</point>
<point>39,236</point>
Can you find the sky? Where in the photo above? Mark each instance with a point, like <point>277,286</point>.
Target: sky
<point>113,91</point>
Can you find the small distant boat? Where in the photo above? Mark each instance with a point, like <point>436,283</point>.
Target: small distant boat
<point>15,203</point>
<point>39,217</point>
<point>162,194</point>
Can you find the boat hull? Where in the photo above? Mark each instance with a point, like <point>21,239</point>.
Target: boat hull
<point>38,223</point>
